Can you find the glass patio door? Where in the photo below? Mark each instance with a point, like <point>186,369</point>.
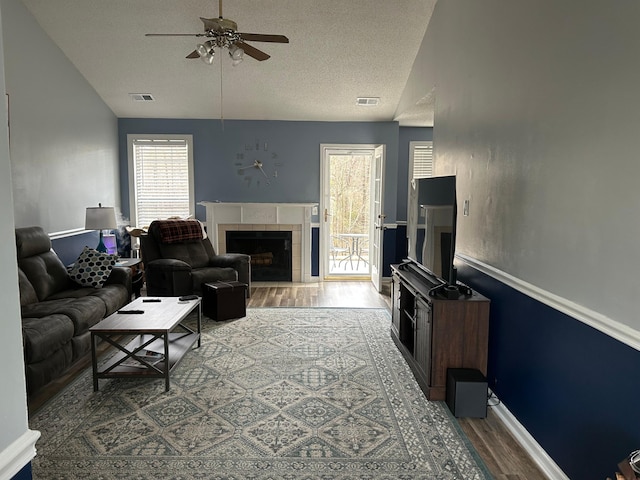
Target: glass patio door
<point>346,215</point>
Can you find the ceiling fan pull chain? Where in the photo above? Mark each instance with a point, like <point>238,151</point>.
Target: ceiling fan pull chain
<point>221,96</point>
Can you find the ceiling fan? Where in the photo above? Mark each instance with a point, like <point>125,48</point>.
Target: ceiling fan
<point>223,33</point>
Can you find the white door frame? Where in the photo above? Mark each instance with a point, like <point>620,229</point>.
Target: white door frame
<point>325,149</point>
<point>377,217</point>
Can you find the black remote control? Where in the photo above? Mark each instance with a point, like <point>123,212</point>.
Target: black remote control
<point>147,300</point>
<point>188,297</point>
<point>133,312</point>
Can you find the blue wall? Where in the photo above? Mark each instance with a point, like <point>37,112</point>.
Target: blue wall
<point>24,474</point>
<point>297,147</point>
<point>217,146</point>
<point>572,387</point>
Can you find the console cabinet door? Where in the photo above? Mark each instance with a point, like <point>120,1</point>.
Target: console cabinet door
<point>395,305</point>
<point>422,349</point>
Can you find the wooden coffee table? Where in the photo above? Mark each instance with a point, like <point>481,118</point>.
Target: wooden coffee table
<point>158,335</point>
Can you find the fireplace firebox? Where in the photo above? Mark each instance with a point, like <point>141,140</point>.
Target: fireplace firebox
<point>270,253</point>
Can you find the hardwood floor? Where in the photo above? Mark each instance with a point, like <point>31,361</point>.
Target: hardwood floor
<point>504,457</point>
<point>321,294</point>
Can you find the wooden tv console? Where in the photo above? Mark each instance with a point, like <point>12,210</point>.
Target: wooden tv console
<point>434,332</point>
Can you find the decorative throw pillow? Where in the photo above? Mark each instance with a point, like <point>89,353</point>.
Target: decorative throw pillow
<point>92,268</point>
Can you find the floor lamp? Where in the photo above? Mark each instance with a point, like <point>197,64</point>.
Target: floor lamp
<point>100,218</point>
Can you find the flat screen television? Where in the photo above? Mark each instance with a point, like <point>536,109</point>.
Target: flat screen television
<point>431,226</point>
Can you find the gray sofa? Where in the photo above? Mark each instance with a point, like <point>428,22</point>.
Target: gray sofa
<point>57,312</point>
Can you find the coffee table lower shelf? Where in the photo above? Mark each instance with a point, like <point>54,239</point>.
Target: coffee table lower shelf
<point>179,345</point>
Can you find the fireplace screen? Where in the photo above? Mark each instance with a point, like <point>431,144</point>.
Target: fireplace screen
<point>270,253</point>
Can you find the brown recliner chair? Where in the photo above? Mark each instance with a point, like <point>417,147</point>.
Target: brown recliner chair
<point>178,260</point>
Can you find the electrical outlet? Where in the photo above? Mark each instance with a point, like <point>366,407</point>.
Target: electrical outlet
<point>314,210</point>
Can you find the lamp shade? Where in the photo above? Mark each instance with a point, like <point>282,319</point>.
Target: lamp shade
<point>100,218</point>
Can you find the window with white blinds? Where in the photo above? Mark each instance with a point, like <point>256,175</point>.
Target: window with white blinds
<point>420,164</point>
<point>160,177</point>
<point>421,160</point>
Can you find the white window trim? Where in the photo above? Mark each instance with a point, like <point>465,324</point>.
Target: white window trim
<point>132,196</point>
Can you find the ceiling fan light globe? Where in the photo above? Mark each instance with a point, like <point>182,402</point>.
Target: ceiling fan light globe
<point>236,53</point>
<point>202,50</point>
<point>208,58</point>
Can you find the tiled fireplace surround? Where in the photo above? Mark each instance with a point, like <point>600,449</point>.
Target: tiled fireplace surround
<point>293,217</point>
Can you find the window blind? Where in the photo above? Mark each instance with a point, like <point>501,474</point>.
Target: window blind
<point>161,179</point>
<point>422,160</point>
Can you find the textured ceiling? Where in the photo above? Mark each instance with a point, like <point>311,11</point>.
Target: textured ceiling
<point>338,51</point>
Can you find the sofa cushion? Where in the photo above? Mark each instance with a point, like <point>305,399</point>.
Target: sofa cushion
<point>92,268</point>
<point>43,336</point>
<point>27,292</point>
<point>113,297</point>
<point>46,273</point>
<point>192,253</point>
<point>42,372</point>
<point>81,345</point>
<point>39,263</point>
<point>31,241</point>
<point>84,312</point>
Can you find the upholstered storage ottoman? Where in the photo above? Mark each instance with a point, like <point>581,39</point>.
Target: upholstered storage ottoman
<point>224,300</point>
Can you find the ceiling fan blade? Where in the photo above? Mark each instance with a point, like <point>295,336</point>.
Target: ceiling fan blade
<point>260,37</point>
<point>175,34</point>
<point>253,52</point>
<point>193,54</point>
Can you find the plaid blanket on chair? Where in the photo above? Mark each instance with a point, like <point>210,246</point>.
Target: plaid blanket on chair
<point>176,231</point>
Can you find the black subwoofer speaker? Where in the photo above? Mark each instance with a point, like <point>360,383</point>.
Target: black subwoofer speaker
<point>467,392</point>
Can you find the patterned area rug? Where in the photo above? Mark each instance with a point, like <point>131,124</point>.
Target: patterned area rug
<point>284,393</point>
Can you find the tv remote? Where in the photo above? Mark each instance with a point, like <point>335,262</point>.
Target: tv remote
<point>188,297</point>
<point>133,312</point>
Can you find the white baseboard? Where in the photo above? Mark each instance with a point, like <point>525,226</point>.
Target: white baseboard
<point>544,462</point>
<point>18,454</point>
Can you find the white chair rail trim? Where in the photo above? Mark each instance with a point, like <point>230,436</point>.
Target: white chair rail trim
<point>604,324</point>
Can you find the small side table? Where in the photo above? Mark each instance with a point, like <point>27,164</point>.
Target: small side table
<point>137,270</point>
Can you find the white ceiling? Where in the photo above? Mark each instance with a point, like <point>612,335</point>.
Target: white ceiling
<point>339,50</point>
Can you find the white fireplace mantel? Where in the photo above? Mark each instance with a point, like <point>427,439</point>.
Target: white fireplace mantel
<point>263,214</point>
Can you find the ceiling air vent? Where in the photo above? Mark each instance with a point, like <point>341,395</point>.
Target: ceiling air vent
<point>142,97</point>
<point>367,101</point>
